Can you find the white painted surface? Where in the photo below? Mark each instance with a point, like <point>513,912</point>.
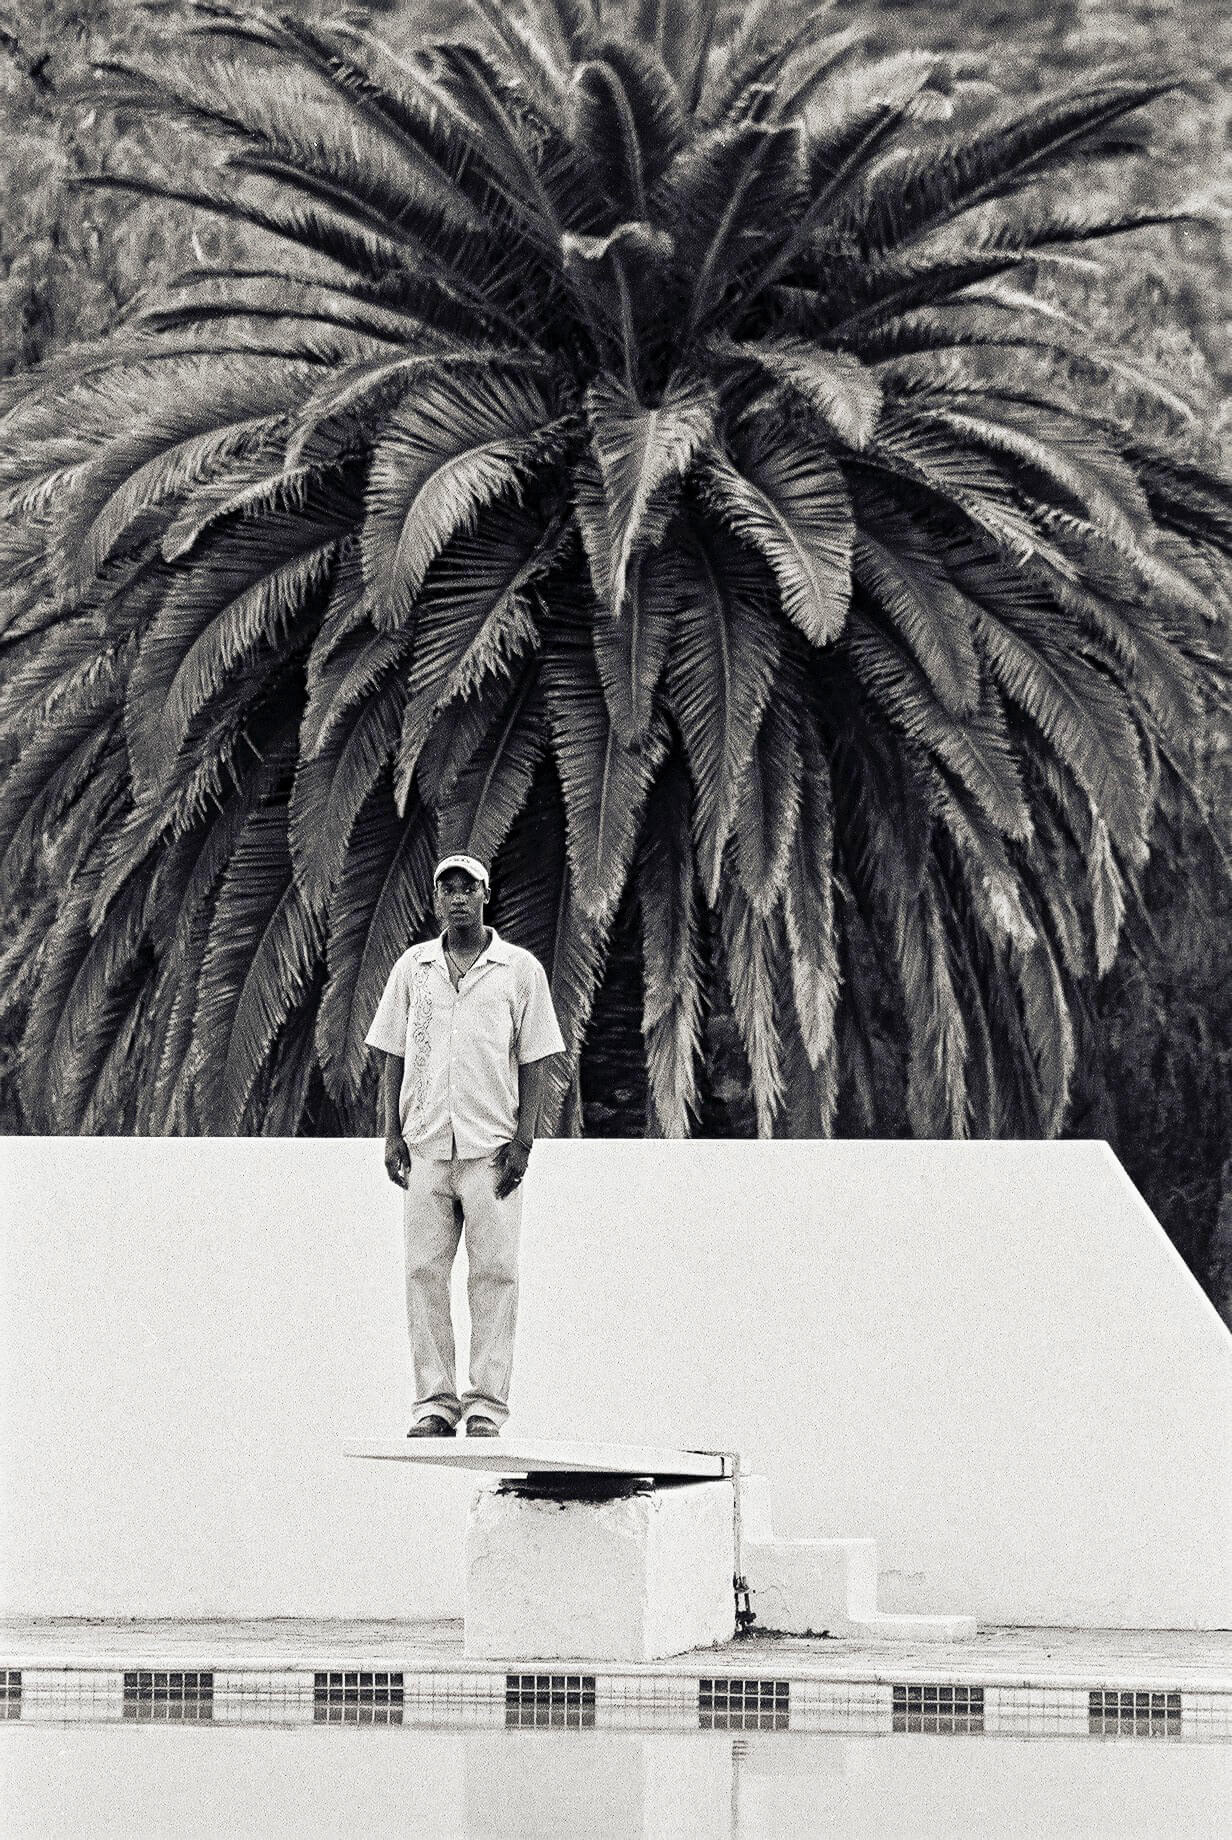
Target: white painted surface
<point>630,1579</point>
<point>829,1587</point>
<point>810,1587</point>
<point>543,1456</point>
<point>986,1357</point>
<point>822,1587</point>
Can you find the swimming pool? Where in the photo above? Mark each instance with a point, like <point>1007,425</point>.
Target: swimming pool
<point>301,1727</point>
<point>186,1780</point>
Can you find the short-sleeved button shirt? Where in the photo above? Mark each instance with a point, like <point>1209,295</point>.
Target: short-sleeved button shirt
<point>462,1048</point>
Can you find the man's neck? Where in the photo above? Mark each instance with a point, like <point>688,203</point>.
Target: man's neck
<point>465,941</point>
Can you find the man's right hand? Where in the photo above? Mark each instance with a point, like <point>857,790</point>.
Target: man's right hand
<point>397,1160</point>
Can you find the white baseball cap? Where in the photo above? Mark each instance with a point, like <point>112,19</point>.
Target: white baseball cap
<point>469,865</point>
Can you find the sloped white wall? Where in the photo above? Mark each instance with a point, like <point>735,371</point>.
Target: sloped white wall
<point>986,1356</point>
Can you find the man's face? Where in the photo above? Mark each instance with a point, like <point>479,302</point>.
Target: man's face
<point>459,899</point>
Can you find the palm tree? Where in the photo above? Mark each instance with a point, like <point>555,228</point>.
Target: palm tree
<point>651,453</point>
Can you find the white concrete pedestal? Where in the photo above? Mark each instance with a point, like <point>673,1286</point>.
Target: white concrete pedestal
<point>645,1574</point>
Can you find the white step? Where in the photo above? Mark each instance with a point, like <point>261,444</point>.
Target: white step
<point>823,1587</point>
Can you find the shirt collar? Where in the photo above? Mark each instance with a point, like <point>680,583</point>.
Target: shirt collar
<point>496,952</point>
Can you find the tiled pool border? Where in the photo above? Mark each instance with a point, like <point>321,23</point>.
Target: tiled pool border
<point>724,1697</point>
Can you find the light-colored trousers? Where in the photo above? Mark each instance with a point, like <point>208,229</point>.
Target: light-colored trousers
<point>442,1201</point>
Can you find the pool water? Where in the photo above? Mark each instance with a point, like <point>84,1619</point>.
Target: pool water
<point>188,1780</point>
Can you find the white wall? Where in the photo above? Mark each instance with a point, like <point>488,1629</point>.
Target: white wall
<point>986,1356</point>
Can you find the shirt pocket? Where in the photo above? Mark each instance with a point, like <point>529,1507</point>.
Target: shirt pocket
<point>494,1021</point>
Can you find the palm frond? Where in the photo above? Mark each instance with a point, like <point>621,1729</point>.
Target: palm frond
<point>671,955</point>
<point>381,90</point>
<point>534,902</point>
<point>727,191</point>
<point>210,415</point>
<point>360,387</point>
<point>1146,651</point>
<point>60,956</point>
<point>630,652</point>
<point>1078,470</point>
<point>355,249</point>
<point>112,971</point>
<point>447,452</point>
<point>960,481</point>
<point>626,122</point>
<point>897,565</point>
<point>247,593</point>
<point>465,88</point>
<point>901,344</point>
<point>477,814</point>
<point>887,854</point>
<point>475,619</point>
<point>767,36</point>
<point>523,48</point>
<point>363,310</point>
<point>834,384</point>
<point>70,724</point>
<point>456,733</point>
<point>44,785</point>
<point>787,498</point>
<point>263,947</point>
<point>574,24</point>
<point>333,782</point>
<point>1080,714</point>
<point>253,485</point>
<point>768,810</point>
<point>287,1086</point>
<point>377,909</point>
<point>604,783</point>
<point>975,750</point>
<point>750,949</point>
<point>638,450</point>
<point>1049,1032</point>
<point>1107,896</point>
<point>904,201</point>
<point>811,925</point>
<point>725,650</point>
<point>186,895</point>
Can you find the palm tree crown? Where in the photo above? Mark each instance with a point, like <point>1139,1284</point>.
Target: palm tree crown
<point>639,453</point>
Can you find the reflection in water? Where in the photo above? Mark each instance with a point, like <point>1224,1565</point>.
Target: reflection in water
<point>1120,1713</point>
<point>364,1713</point>
<point>547,1701</point>
<point>541,1717</point>
<point>357,1697</point>
<point>945,1711</point>
<point>117,1782</point>
<point>743,1705</point>
<point>168,1696</point>
<point>168,1711</point>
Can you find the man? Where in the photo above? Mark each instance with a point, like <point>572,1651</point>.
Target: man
<point>467,1028</point>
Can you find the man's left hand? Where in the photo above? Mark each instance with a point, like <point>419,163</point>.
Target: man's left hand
<point>510,1164</point>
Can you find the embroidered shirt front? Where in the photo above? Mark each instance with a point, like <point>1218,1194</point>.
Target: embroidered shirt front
<point>462,1048</point>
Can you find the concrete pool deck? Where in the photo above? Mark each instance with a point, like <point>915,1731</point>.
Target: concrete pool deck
<point>1155,1660</point>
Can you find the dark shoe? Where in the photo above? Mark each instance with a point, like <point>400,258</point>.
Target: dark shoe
<point>481,1427</point>
<point>432,1426</point>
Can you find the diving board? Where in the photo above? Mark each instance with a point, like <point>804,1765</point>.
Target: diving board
<point>568,1565</point>
<point>544,1456</point>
